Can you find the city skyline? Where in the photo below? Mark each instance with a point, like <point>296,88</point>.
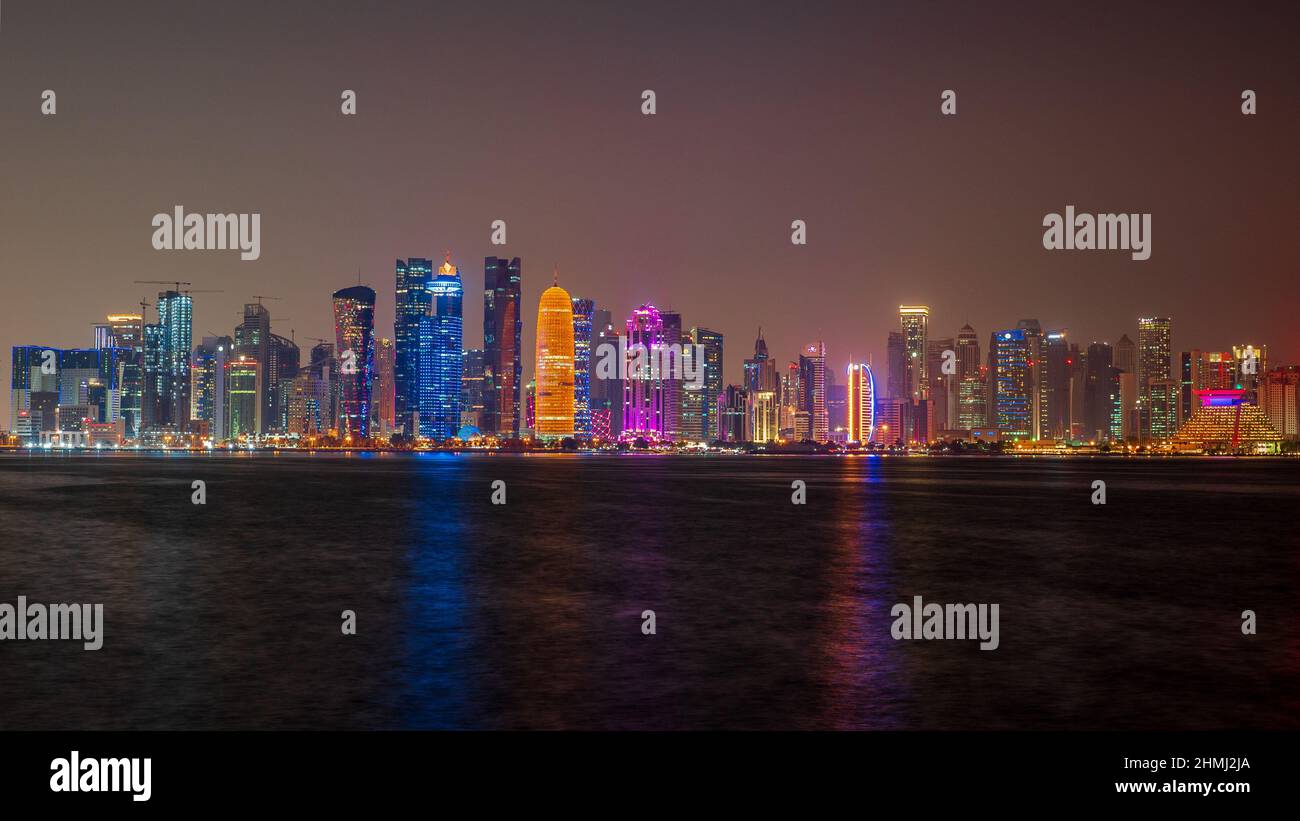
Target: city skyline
<point>902,206</point>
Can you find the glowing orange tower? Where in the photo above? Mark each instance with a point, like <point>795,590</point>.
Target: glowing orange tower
<point>554,364</point>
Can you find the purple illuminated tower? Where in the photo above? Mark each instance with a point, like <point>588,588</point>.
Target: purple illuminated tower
<point>643,387</point>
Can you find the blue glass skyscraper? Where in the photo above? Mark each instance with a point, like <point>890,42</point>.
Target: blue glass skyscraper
<point>440,361</point>
<point>1012,384</point>
<point>582,312</point>
<point>411,308</point>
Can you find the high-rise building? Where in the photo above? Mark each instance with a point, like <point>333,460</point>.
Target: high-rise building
<point>204,377</point>
<point>471,389</point>
<point>34,389</point>
<point>896,385</point>
<point>943,386</point>
<point>761,412</point>
<point>643,390</point>
<point>128,332</point>
<point>711,343</point>
<point>1154,358</point>
<point>284,361</point>
<point>502,351</point>
<point>583,310</point>
<point>1250,364</point>
<point>1126,357</point>
<point>1012,401</point>
<point>385,385</point>
<point>671,364</point>
<point>915,320</point>
<point>971,389</point>
<point>1054,369</point>
<point>253,340</point>
<point>243,387</point>
<point>555,362</point>
<point>354,331</point>
<point>812,376</point>
<point>441,343</point>
<point>1097,392</point>
<point>413,302</point>
<point>173,341</point>
<point>861,404</point>
<point>732,409</point>
<point>1034,341</point>
<point>1279,396</point>
<point>606,386</point>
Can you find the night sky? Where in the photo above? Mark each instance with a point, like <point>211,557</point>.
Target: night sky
<point>767,112</point>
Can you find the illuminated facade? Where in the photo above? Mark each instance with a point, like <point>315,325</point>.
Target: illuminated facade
<point>413,299</point>
<point>354,329</point>
<point>582,319</point>
<point>643,388</point>
<point>915,320</point>
<point>762,416</point>
<point>1012,384</point>
<point>812,378</point>
<point>441,358</point>
<point>1279,393</point>
<point>243,387</point>
<point>384,395</point>
<point>128,332</point>
<point>1223,421</point>
<point>861,404</point>
<point>555,395</point>
<point>503,365</point>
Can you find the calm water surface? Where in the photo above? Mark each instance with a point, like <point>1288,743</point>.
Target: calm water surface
<point>769,615</point>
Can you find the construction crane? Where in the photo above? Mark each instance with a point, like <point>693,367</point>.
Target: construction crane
<point>144,320</point>
<point>177,283</point>
<point>260,297</point>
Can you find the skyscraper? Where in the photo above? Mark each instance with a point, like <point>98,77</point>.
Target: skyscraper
<point>861,404</point>
<point>555,362</point>
<point>283,361</point>
<point>253,339</point>
<point>761,413</point>
<point>711,341</point>
<point>128,332</point>
<point>970,381</point>
<point>385,385</point>
<point>354,331</point>
<point>441,356</point>
<point>672,379</point>
<point>896,385</point>
<point>1054,386</point>
<point>1012,400</point>
<point>643,392</point>
<point>915,320</point>
<point>1154,356</point>
<point>413,300</point>
<point>502,357</point>
<point>175,322</point>
<point>244,381</point>
<point>471,389</point>
<point>812,368</point>
<point>582,330</point>
<point>1097,392</point>
<point>1279,396</point>
<point>606,386</point>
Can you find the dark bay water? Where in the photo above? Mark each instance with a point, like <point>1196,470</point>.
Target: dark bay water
<point>769,615</point>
